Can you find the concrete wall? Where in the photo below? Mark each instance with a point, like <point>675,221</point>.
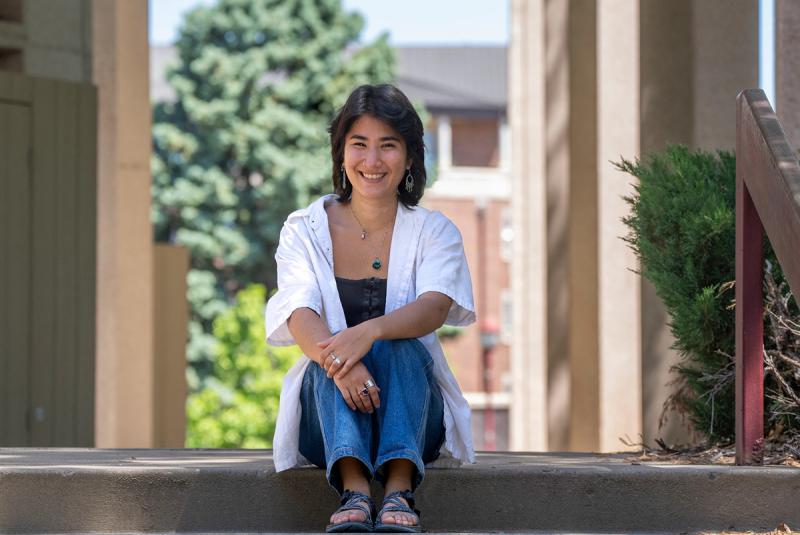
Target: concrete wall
<point>592,82</point>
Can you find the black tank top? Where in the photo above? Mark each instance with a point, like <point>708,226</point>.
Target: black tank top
<point>362,299</point>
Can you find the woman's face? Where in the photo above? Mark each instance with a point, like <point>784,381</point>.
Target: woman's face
<point>375,158</point>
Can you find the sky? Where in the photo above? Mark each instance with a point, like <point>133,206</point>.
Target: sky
<point>432,22</point>
<point>410,22</point>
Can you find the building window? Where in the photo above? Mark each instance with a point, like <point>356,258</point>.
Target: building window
<point>476,141</point>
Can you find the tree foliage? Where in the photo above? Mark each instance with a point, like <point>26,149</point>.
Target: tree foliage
<point>244,143</point>
<point>683,228</point>
<point>238,406</point>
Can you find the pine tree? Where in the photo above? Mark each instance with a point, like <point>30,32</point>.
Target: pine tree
<point>245,141</point>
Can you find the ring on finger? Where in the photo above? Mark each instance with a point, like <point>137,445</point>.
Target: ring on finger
<point>368,384</point>
<point>336,360</point>
<point>364,392</point>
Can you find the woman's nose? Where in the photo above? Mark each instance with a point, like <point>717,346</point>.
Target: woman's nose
<point>373,157</point>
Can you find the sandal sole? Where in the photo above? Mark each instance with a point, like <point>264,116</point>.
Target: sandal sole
<point>349,527</point>
<point>396,528</point>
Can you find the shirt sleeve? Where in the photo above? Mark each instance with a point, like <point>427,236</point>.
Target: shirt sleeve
<point>442,267</point>
<point>297,284</point>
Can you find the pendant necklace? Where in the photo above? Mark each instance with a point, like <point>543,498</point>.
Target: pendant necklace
<point>376,264</point>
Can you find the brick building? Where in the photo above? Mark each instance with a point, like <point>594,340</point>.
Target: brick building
<point>464,90</point>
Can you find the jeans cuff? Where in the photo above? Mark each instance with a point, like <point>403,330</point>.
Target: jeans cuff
<point>336,455</point>
<point>411,455</point>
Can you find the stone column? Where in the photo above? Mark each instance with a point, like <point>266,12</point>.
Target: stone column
<point>619,323</point>
<point>528,413</point>
<point>124,386</point>
<point>787,68</point>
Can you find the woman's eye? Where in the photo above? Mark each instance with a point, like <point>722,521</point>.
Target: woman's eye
<point>388,145</point>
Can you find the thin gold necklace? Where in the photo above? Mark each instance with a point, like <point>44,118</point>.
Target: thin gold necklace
<point>376,264</point>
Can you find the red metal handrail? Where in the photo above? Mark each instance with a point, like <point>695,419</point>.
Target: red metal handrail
<point>767,199</point>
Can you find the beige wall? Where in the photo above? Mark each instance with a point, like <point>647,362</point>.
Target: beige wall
<point>125,364</point>
<point>637,75</point>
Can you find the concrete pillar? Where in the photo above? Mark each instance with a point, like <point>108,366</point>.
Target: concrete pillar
<point>787,68</point>
<point>557,180</point>
<point>583,237</point>
<point>124,386</point>
<point>619,343</point>
<point>527,91</point>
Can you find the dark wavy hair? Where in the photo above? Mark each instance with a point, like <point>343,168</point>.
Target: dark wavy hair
<point>388,104</point>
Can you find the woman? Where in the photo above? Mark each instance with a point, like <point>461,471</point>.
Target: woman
<point>365,277</point>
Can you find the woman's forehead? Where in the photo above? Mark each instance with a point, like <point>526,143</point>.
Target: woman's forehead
<point>369,127</point>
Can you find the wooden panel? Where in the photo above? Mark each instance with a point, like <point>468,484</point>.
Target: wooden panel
<point>15,279</point>
<point>87,240</point>
<point>15,88</point>
<point>171,314</point>
<point>43,290</point>
<point>66,246</point>
<point>772,175</point>
<point>5,225</point>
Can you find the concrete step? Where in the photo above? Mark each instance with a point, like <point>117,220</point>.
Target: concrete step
<point>204,491</point>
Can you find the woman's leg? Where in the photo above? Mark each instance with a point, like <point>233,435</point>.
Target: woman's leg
<point>410,420</point>
<point>334,437</point>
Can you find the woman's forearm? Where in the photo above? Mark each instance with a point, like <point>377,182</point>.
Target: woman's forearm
<point>418,318</point>
<point>308,328</point>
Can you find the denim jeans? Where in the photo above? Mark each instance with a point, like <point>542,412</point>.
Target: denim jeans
<point>408,425</point>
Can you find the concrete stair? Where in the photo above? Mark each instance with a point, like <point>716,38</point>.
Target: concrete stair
<point>203,491</point>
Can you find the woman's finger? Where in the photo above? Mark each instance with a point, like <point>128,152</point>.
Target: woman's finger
<point>345,367</point>
<point>375,399</point>
<point>333,365</point>
<point>325,343</point>
<point>348,399</point>
<point>364,403</point>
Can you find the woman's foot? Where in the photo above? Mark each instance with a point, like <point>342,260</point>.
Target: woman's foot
<point>397,513</point>
<point>354,514</point>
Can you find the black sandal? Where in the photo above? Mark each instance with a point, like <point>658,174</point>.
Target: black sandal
<point>354,501</point>
<point>391,502</point>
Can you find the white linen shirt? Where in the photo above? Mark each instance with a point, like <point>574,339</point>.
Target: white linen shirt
<point>426,255</point>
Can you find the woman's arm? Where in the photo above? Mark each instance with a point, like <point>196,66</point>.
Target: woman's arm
<point>307,328</point>
<point>418,318</point>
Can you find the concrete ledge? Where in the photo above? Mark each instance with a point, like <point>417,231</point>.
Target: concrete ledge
<point>73,490</point>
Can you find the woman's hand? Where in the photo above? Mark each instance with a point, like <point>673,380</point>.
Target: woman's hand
<point>355,391</point>
<point>349,346</point>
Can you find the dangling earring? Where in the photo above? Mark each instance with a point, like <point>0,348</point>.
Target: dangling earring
<point>409,182</point>
<point>344,177</point>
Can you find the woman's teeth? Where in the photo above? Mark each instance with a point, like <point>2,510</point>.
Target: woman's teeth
<point>377,176</point>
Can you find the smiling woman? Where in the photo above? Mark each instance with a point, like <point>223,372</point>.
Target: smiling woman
<point>365,277</point>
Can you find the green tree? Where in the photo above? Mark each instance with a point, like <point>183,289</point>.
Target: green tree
<point>245,141</point>
<point>238,406</point>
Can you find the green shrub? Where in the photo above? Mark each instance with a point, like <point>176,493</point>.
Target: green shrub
<point>683,228</point>
<point>238,406</point>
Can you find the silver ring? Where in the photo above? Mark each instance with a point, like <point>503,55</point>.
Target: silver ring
<point>368,384</point>
<point>364,393</point>
<point>336,359</point>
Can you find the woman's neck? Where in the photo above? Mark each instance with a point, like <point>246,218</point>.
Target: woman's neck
<point>374,214</point>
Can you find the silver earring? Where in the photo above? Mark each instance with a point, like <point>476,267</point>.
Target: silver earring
<point>409,182</point>
<point>343,177</point>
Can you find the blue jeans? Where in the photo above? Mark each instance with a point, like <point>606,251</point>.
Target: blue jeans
<point>408,425</point>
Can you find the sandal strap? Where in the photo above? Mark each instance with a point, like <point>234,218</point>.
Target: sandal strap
<point>391,503</point>
<point>353,500</point>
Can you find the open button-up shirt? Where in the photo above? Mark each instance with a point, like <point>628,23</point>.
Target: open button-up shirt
<point>426,255</point>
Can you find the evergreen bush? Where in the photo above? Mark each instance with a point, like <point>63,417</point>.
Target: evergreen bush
<point>683,229</point>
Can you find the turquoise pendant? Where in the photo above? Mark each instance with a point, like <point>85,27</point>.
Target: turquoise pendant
<point>376,264</point>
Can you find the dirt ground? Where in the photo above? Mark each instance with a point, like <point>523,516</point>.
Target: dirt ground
<point>773,453</point>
